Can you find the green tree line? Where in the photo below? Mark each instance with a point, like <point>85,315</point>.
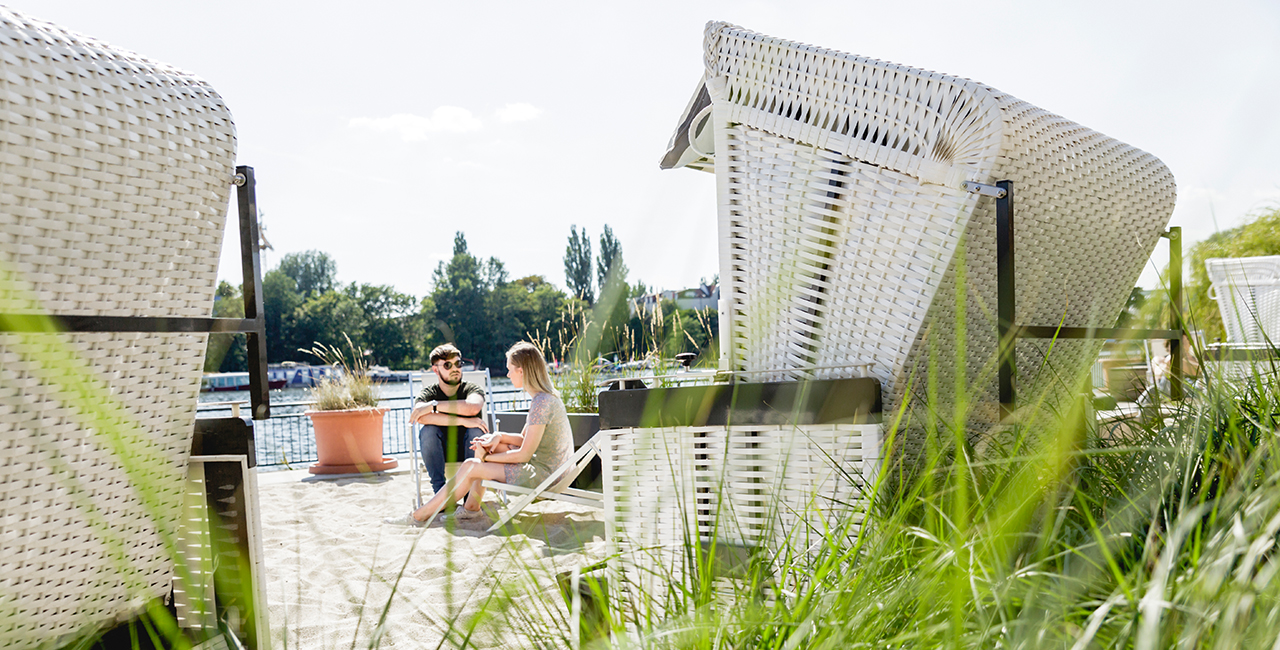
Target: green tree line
<point>473,304</point>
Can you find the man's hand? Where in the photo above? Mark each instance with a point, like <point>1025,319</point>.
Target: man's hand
<point>473,423</point>
<point>418,411</point>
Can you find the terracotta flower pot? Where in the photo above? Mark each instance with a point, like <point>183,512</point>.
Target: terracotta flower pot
<point>349,442</point>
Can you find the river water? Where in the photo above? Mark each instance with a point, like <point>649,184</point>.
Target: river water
<point>287,440</point>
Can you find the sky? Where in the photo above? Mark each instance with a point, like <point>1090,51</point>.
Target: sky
<point>379,129</point>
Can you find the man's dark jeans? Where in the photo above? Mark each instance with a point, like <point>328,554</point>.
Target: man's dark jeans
<point>433,443</point>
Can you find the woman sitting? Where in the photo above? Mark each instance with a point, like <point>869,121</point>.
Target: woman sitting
<point>524,459</point>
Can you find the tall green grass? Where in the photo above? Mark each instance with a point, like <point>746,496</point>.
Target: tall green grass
<point>1128,534</point>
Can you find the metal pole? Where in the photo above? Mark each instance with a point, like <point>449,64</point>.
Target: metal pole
<point>251,268</point>
<point>1175,303</point>
<point>413,441</point>
<point>1006,296</point>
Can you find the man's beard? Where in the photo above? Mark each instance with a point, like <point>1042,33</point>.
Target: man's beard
<point>453,382</point>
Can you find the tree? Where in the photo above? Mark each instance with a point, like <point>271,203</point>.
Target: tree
<point>577,265</point>
<point>611,313</point>
<point>226,352</point>
<point>459,294</point>
<point>523,310</point>
<point>495,273</point>
<point>280,302</point>
<point>391,329</point>
<point>325,318</point>
<point>313,271</point>
<point>638,289</point>
<point>610,260</point>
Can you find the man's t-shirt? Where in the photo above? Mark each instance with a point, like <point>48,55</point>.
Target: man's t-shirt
<point>465,390</point>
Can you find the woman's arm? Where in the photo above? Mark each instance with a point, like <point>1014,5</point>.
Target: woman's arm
<point>528,443</point>
<point>513,439</point>
<point>498,439</point>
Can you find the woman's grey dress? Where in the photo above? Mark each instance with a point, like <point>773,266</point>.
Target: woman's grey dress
<point>555,448</point>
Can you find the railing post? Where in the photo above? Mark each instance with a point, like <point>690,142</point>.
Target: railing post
<point>251,268</point>
<point>1175,305</point>
<point>1006,297</point>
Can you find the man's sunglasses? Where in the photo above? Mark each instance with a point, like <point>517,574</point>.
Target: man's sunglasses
<point>450,365</point>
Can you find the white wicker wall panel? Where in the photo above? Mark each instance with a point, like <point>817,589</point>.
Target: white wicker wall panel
<point>114,178</point>
<point>765,485</point>
<point>847,236</point>
<point>648,492</point>
<point>1247,290</point>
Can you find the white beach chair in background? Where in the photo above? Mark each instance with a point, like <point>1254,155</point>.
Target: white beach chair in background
<point>1247,290</point>
<point>424,379</point>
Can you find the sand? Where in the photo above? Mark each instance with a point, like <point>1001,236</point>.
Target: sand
<point>334,571</point>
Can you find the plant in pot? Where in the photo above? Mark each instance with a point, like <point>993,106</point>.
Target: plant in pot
<point>346,417</point>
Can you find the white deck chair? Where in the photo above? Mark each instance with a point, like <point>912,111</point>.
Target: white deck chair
<point>425,379</point>
<point>555,487</point>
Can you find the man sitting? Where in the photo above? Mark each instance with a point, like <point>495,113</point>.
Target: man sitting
<point>444,408</point>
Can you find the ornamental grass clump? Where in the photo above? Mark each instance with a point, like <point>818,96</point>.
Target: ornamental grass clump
<point>351,388</point>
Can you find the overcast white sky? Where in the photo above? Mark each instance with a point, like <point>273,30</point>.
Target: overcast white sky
<point>378,129</point>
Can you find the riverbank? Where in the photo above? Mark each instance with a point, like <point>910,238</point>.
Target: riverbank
<point>334,570</point>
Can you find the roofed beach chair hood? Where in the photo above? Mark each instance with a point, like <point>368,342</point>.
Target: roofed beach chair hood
<point>847,238</point>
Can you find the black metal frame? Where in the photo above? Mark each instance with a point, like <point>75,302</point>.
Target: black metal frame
<point>1009,332</point>
<point>253,325</point>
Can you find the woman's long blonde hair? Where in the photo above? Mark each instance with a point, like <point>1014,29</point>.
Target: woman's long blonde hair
<point>527,357</point>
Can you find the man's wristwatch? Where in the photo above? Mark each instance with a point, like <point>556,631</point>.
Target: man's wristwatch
<point>434,406</point>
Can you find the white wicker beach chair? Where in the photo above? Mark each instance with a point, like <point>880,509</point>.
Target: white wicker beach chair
<point>736,487</point>
<point>1247,290</point>
<point>846,236</point>
<point>114,178</point>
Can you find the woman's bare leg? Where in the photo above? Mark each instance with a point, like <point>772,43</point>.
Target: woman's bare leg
<point>471,473</point>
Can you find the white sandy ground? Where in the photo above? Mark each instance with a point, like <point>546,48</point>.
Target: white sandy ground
<point>332,565</point>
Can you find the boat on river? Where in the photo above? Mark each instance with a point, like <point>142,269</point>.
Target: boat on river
<point>227,381</point>
<point>300,375</point>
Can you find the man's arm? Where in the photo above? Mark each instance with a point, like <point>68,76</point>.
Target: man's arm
<point>450,420</point>
<point>468,408</point>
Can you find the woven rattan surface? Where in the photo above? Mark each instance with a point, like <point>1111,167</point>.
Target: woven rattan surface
<point>114,178</point>
<point>846,235</point>
<point>1247,290</point>
<point>740,486</point>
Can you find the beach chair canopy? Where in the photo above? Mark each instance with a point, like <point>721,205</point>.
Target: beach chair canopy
<point>114,178</point>
<point>846,236</point>
<point>1247,290</point>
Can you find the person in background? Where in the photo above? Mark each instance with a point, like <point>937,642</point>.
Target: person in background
<point>448,410</point>
<point>1160,369</point>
